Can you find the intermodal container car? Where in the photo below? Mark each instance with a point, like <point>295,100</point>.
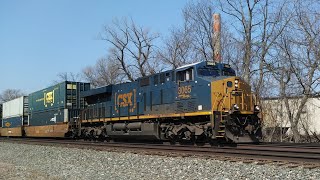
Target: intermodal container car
<point>56,104</point>
<point>15,112</point>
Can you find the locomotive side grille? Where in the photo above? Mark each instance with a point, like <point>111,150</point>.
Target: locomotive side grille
<point>179,107</point>
<point>191,106</point>
<point>185,106</point>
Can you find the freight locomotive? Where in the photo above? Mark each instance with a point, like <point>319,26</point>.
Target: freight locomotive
<point>199,102</point>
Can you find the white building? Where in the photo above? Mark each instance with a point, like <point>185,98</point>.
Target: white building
<point>275,114</point>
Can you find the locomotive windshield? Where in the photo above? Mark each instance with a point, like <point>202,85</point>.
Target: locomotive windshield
<point>208,71</point>
<point>214,71</point>
<point>228,72</point>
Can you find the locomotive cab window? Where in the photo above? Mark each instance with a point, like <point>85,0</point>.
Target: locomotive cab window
<point>155,79</point>
<point>167,76</point>
<point>228,72</point>
<point>186,75</point>
<point>208,71</point>
<point>162,78</point>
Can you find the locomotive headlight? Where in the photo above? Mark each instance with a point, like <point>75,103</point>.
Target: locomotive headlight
<point>235,107</point>
<point>236,83</point>
<point>256,108</point>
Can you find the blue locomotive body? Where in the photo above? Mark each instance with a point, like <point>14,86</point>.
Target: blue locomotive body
<point>159,94</point>
<point>172,105</point>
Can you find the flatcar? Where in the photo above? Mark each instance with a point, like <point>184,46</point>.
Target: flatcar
<point>44,113</point>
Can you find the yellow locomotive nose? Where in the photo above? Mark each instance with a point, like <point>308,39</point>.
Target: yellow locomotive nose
<point>232,94</point>
<point>236,113</point>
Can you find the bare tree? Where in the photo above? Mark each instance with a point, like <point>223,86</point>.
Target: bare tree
<point>68,76</point>
<point>193,41</point>
<point>257,24</point>
<point>103,73</point>
<point>298,58</point>
<point>132,47</point>
<point>198,22</point>
<point>244,12</point>
<point>10,94</point>
<point>275,18</point>
<point>177,50</point>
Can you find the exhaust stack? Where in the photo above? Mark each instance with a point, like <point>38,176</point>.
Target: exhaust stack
<point>216,39</point>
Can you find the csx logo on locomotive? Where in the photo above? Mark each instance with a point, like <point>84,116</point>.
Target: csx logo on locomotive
<point>126,100</point>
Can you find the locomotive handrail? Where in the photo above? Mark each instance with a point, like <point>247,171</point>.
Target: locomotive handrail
<point>222,105</point>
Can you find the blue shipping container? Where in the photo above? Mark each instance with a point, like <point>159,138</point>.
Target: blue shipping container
<point>13,122</point>
<point>65,95</point>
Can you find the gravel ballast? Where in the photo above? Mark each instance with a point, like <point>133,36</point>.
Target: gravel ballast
<point>21,161</point>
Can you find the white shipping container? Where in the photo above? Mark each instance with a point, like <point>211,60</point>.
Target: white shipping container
<point>15,107</point>
<point>275,114</point>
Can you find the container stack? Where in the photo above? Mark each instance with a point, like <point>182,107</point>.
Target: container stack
<point>14,116</point>
<point>57,104</point>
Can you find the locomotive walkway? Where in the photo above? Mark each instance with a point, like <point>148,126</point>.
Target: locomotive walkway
<point>291,155</point>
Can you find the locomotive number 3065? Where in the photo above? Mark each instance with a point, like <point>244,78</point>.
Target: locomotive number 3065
<point>184,91</point>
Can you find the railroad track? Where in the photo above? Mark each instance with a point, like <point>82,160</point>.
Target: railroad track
<point>307,155</point>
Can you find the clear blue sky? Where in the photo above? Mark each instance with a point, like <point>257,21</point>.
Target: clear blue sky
<point>41,38</point>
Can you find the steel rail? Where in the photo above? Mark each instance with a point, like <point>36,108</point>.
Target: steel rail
<point>294,154</point>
